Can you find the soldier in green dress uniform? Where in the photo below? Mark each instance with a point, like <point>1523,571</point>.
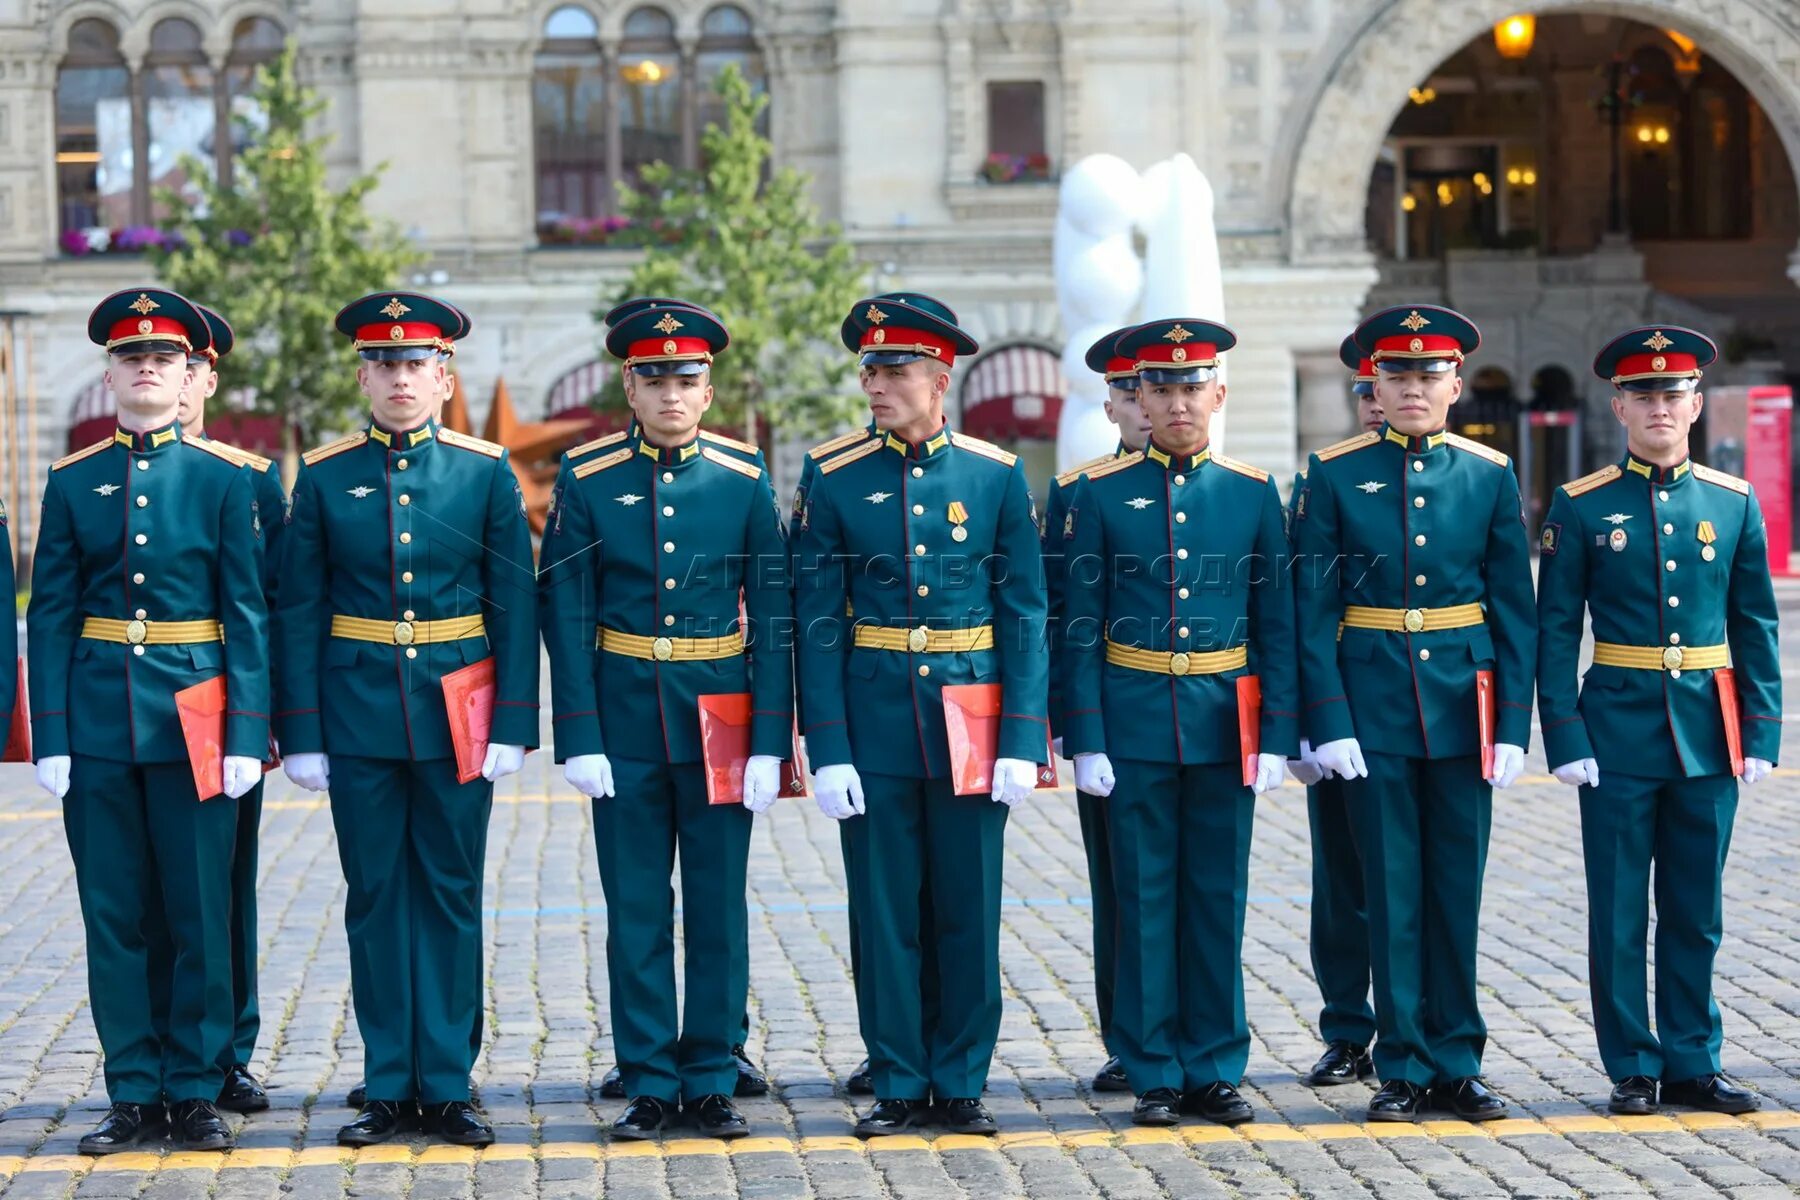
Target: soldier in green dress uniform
<point>1174,590</point>
<point>929,537</point>
<point>1123,410</point>
<point>1413,541</point>
<point>407,557</point>
<point>658,538</point>
<point>9,629</point>
<point>149,580</point>
<point>1670,560</point>
<point>1339,941</point>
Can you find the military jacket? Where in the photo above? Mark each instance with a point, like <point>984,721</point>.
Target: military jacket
<point>1671,561</point>
<point>403,527</point>
<point>1050,540</point>
<point>1182,555</point>
<point>1400,523</point>
<point>271,499</point>
<point>149,527</point>
<point>878,536</point>
<point>660,544</point>
<point>9,629</point>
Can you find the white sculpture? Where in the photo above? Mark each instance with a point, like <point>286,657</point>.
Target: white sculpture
<point>1100,281</point>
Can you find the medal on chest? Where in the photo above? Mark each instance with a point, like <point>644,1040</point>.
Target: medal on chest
<point>959,517</point>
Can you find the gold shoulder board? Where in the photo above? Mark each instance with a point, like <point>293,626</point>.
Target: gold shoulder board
<point>1740,486</point>
<point>1476,448</point>
<point>719,439</point>
<point>1116,465</point>
<point>599,443</point>
<point>986,449</point>
<point>84,452</point>
<point>1587,483</point>
<point>464,442</point>
<point>319,454</point>
<point>1338,449</point>
<point>730,463</point>
<point>601,464</point>
<point>1073,473</point>
<point>849,456</point>
<point>1242,468</point>
<point>841,442</point>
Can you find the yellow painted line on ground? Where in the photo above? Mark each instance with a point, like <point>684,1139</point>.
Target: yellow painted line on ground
<point>1255,1133</point>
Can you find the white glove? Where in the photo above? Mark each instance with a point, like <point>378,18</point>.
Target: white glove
<point>1582,770</point>
<point>1094,774</point>
<point>589,774</point>
<point>502,760</point>
<point>1270,770</point>
<point>1056,747</point>
<point>1508,762</point>
<point>1305,769</point>
<point>762,782</point>
<point>240,773</point>
<point>310,771</point>
<point>1756,769</point>
<point>838,789</point>
<point>53,774</point>
<point>1342,759</point>
<point>1014,780</point>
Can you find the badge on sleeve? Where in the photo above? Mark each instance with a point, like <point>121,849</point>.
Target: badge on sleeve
<point>1069,525</point>
<point>1547,540</point>
<point>255,518</point>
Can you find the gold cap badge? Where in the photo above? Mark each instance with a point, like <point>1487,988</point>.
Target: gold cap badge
<point>1414,322</point>
<point>667,325</point>
<point>1657,341</point>
<point>394,309</point>
<point>144,305</point>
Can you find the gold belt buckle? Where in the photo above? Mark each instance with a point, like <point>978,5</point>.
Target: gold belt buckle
<point>136,632</point>
<point>915,640</point>
<point>1671,658</point>
<point>1178,663</point>
<point>403,633</point>
<point>1414,620</point>
<point>662,649</point>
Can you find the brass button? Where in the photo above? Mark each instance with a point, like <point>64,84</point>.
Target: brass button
<point>1178,664</point>
<point>405,499</point>
<point>141,538</point>
<point>923,590</point>
<point>668,477</point>
<point>1418,581</point>
<point>142,465</point>
<point>1181,553</point>
<point>405,539</point>
<point>1674,601</point>
<point>668,547</point>
<point>135,632</point>
<point>412,652</point>
<point>1667,528</point>
<point>1669,566</point>
<point>1418,464</point>
<point>1419,540</point>
<point>918,472</point>
<point>403,633</point>
<point>1662,495</point>
<point>1424,656</point>
<point>669,620</point>
<point>407,615</point>
<point>1182,632</point>
<point>918,510</point>
<point>668,510</point>
<point>138,650</point>
<point>668,585</point>
<point>924,670</point>
<point>662,649</point>
<point>400,464</point>
<point>138,578</point>
<point>1183,593</point>
<point>1180,479</point>
<point>1674,639</point>
<point>406,577</point>
<point>140,614</point>
<point>1418,502</point>
<point>1181,518</point>
<point>1672,656</point>
<point>1676,674</point>
<point>1414,620</point>
<point>143,502</point>
<point>916,639</point>
<point>919,549</point>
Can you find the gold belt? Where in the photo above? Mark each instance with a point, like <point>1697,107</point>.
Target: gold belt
<point>1159,662</point>
<point>1662,658</point>
<point>668,649</point>
<point>926,641</point>
<point>151,633</point>
<point>407,633</point>
<point>1413,620</point>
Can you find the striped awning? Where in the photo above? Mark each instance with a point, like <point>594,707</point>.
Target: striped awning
<point>1013,393</point>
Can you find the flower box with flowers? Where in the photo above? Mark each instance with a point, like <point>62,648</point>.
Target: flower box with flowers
<point>1016,168</point>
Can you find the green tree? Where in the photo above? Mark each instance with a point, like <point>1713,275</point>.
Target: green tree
<point>278,251</point>
<point>748,243</point>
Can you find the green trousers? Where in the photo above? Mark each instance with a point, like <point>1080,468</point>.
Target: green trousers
<point>658,814</point>
<point>1103,906</point>
<point>410,838</point>
<point>928,988</point>
<point>1683,827</point>
<point>150,856</point>
<point>1340,921</point>
<point>917,837</point>
<point>1181,866</point>
<point>1422,833</point>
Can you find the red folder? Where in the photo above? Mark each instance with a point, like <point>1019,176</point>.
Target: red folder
<point>972,722</point>
<point>469,703</point>
<point>1249,698</point>
<point>18,738</point>
<point>725,749</point>
<point>1484,718</point>
<point>1726,678</point>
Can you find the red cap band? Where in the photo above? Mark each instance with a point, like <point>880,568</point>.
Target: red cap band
<point>908,341</point>
<point>1116,367</point>
<point>1200,354</point>
<point>399,333</point>
<point>1416,345</point>
<point>669,349</point>
<point>146,329</point>
<point>1649,366</point>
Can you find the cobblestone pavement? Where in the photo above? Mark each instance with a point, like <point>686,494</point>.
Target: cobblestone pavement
<point>548,1040</point>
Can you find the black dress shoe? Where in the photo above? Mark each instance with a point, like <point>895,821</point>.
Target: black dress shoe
<point>125,1127</point>
<point>1398,1100</point>
<point>613,1086</point>
<point>1218,1102</point>
<point>1711,1093</point>
<point>457,1122</point>
<point>378,1121</point>
<point>357,1096</point>
<point>643,1119</point>
<point>1633,1096</point>
<point>892,1116</point>
<point>750,1080</point>
<point>969,1116</point>
<point>1111,1077</point>
<point>860,1083</point>
<point>716,1116</point>
<point>198,1125</point>
<point>1342,1062</point>
<point>1468,1098</point>
<point>1158,1106</point>
<point>241,1093</point>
